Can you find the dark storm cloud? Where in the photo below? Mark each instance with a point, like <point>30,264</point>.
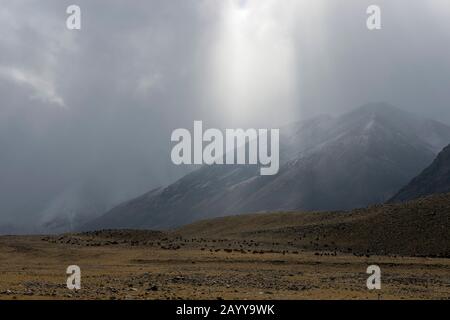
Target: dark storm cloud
<point>86,116</point>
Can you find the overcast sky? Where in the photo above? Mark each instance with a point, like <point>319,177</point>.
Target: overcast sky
<point>86,116</point>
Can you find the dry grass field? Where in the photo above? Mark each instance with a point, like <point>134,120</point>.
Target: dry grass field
<point>260,256</point>
<point>174,268</point>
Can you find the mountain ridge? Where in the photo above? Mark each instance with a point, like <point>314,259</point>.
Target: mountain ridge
<point>360,158</point>
<point>435,179</point>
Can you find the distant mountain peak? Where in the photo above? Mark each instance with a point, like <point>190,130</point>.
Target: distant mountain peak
<point>381,106</point>
<point>374,109</point>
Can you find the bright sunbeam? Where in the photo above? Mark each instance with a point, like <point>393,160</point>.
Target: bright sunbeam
<point>255,60</point>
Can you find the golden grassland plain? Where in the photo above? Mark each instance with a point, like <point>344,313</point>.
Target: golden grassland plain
<point>33,268</point>
<point>290,255</point>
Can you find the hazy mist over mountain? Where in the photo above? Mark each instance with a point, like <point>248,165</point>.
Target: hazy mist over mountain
<point>86,116</point>
<point>352,161</point>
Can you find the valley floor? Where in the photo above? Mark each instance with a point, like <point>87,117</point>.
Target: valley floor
<point>170,267</point>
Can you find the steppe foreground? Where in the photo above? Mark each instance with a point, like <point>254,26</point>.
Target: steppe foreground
<point>260,256</point>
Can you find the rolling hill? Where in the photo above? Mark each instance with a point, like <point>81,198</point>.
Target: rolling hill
<point>416,228</point>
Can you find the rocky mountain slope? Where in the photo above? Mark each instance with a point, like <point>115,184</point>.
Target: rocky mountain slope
<point>433,180</point>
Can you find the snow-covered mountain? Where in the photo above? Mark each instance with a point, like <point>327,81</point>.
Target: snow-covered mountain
<point>327,163</point>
